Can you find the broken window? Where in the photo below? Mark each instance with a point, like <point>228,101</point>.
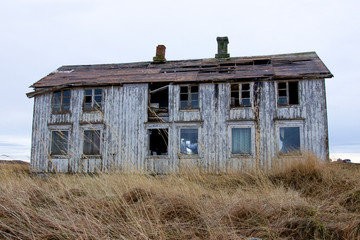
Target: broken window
<point>60,101</point>
<point>189,96</point>
<point>93,99</point>
<point>289,140</point>
<point>240,95</point>
<point>288,93</point>
<point>59,142</point>
<point>158,101</point>
<point>189,141</point>
<point>158,141</point>
<point>91,142</point>
<point>241,140</point>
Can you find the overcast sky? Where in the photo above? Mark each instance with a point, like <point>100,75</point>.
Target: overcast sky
<point>38,36</point>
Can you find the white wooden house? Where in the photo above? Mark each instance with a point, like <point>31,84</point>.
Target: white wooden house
<point>221,113</point>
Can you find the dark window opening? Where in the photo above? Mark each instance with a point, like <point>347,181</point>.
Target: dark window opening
<point>289,140</point>
<point>288,93</point>
<point>240,95</point>
<point>158,141</point>
<point>59,142</point>
<point>189,96</point>
<point>91,142</point>
<point>60,101</point>
<point>158,101</point>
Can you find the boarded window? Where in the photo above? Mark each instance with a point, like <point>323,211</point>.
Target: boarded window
<point>189,141</point>
<point>189,96</point>
<point>93,99</point>
<point>288,93</point>
<point>60,101</point>
<point>91,142</point>
<point>158,141</point>
<point>240,95</point>
<point>59,142</point>
<point>289,140</point>
<point>241,140</point>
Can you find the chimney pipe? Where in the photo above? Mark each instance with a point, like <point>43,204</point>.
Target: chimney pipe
<point>160,54</point>
<point>222,47</point>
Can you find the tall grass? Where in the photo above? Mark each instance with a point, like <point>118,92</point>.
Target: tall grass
<point>302,200</point>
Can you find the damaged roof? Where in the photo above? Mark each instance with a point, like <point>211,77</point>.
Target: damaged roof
<point>273,67</point>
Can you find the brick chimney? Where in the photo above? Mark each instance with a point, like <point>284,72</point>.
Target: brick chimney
<point>160,54</point>
<point>222,47</point>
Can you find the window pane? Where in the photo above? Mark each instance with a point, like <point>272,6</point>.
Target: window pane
<point>245,86</point>
<point>194,96</point>
<point>282,85</point>
<point>87,106</point>
<point>245,102</point>
<point>184,89</point>
<point>88,99</point>
<point>241,140</point>
<point>88,92</point>
<point>66,100</point>
<point>282,100</point>
<point>59,143</point>
<point>66,93</point>
<point>245,94</point>
<point>289,139</point>
<point>66,107</point>
<point>183,104</point>
<point>183,97</point>
<point>194,89</point>
<point>98,99</point>
<point>98,91</point>
<point>56,108</point>
<point>189,141</point>
<point>194,104</point>
<point>234,87</point>
<point>282,93</point>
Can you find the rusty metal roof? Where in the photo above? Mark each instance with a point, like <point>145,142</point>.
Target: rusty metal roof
<point>286,66</point>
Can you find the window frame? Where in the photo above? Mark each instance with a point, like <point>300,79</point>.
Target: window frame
<point>56,128</point>
<point>189,86</point>
<point>239,92</point>
<point>61,102</point>
<point>92,109</point>
<point>288,104</point>
<point>183,155</point>
<point>289,123</point>
<point>101,132</point>
<point>242,124</point>
<point>168,144</point>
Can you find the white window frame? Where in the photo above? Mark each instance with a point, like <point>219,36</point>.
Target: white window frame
<point>93,100</point>
<point>289,123</point>
<point>178,127</point>
<point>55,128</point>
<point>98,127</point>
<point>287,93</point>
<point>240,92</point>
<point>242,124</point>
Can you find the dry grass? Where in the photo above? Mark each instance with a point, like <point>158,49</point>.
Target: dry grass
<point>301,200</point>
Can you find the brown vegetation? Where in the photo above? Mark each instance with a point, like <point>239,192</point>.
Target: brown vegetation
<point>300,200</point>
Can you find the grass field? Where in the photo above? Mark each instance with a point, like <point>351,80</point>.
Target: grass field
<point>302,200</point>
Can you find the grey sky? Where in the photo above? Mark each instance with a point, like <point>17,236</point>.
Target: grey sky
<point>38,36</point>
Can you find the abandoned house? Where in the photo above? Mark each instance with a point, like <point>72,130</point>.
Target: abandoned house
<point>222,113</point>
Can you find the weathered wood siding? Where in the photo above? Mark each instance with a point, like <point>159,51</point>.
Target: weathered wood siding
<point>125,138</point>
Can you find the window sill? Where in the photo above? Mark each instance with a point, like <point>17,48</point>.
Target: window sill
<point>158,157</point>
<point>289,105</point>
<point>189,109</point>
<point>91,157</point>
<point>189,156</point>
<point>241,107</point>
<point>93,110</point>
<point>58,113</point>
<point>241,155</point>
<point>59,156</point>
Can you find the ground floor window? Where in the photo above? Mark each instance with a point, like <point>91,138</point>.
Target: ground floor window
<point>91,142</point>
<point>241,140</point>
<point>159,139</point>
<point>289,140</point>
<point>59,142</point>
<point>189,141</point>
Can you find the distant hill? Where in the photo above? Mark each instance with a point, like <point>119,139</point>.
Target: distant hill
<point>14,162</point>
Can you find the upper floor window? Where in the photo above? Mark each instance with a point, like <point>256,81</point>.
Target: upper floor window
<point>288,93</point>
<point>240,95</point>
<point>61,101</point>
<point>189,96</point>
<point>93,99</point>
<point>59,142</point>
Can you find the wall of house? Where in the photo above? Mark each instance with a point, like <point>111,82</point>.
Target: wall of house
<point>125,137</point>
